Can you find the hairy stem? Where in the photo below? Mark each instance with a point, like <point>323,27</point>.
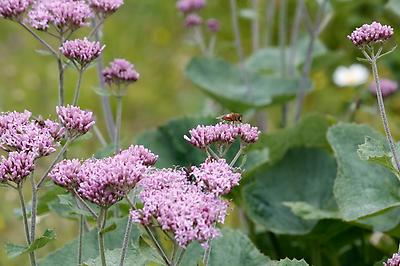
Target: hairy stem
<point>158,246</point>
<point>282,45</point>
<point>33,208</point>
<point>383,113</point>
<point>118,124</point>
<point>101,222</point>
<point>80,241</point>
<point>236,31</point>
<point>37,37</point>
<point>99,136</point>
<point>179,259</point>
<point>78,87</point>
<point>207,252</point>
<point>237,156</point>
<point>85,205</point>
<point>269,15</point>
<point>125,243</point>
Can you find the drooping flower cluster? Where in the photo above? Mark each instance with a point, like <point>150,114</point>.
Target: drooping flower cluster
<point>388,87</point>
<point>189,6</point>
<point>19,132</point>
<point>16,167</point>
<point>76,121</point>
<point>216,176</point>
<point>13,9</point>
<point>63,14</point>
<point>179,206</point>
<point>83,52</point>
<point>104,181</point>
<point>393,261</point>
<point>203,136</point>
<point>370,34</point>
<point>119,72</point>
<point>105,7</point>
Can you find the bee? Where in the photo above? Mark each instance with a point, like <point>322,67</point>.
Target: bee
<point>189,173</point>
<point>40,121</point>
<point>232,117</point>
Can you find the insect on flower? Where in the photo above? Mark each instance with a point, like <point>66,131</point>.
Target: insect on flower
<point>231,117</point>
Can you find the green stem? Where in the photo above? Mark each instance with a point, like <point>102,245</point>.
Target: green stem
<point>84,204</point>
<point>237,156</point>
<point>80,243</point>
<point>160,250</point>
<point>125,243</point>
<point>101,222</point>
<point>207,252</point>
<point>269,19</point>
<point>180,257</point>
<point>37,37</point>
<point>118,124</point>
<point>282,45</point>
<point>33,209</point>
<point>78,87</point>
<point>26,226</point>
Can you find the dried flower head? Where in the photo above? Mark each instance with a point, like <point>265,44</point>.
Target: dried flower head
<point>16,167</point>
<point>388,87</point>
<point>66,174</point>
<point>370,34</point>
<point>193,20</point>
<point>83,52</point>
<point>13,9</point>
<point>393,261</point>
<point>105,7</point>
<point>120,72</point>
<point>18,132</point>
<point>76,121</point>
<point>188,6</point>
<point>62,14</point>
<point>213,25</point>
<point>179,206</point>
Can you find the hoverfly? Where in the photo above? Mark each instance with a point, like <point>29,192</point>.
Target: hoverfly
<point>231,117</point>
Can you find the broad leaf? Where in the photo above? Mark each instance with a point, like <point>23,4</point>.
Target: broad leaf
<point>305,175</point>
<point>361,188</point>
<point>16,250</point>
<point>289,262</point>
<point>239,89</point>
<point>306,211</point>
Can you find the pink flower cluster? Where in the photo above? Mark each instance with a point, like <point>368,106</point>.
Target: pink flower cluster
<point>104,181</point>
<point>76,121</point>
<point>105,7</point>
<point>63,14</point>
<point>193,20</point>
<point>203,136</point>
<point>120,72</point>
<point>188,6</point>
<point>18,132</point>
<point>388,87</point>
<point>82,52</point>
<point>213,25</point>
<point>216,176</point>
<point>370,34</point>
<point>13,9</point>
<point>16,167</point>
<point>393,261</point>
<point>179,206</point>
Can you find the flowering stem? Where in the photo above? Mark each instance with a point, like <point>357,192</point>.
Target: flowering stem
<point>126,241</point>
<point>383,112</point>
<point>59,155</point>
<point>158,246</point>
<point>33,208</point>
<point>212,153</point>
<point>84,204</point>
<point>179,259</point>
<point>96,28</point>
<point>99,135</point>
<point>101,222</point>
<point>198,36</point>
<point>269,14</point>
<point>207,252</point>
<point>80,242</point>
<point>78,87</point>
<point>237,156</point>
<point>26,227</point>
<point>118,124</point>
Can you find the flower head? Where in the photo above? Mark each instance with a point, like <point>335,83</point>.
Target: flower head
<point>388,87</point>
<point>119,72</point>
<point>188,6</point>
<point>76,121</point>
<point>81,51</point>
<point>213,25</point>
<point>13,9</point>
<point>179,206</point>
<point>18,132</point>
<point>138,153</point>
<point>16,167</point>
<point>63,14</point>
<point>393,261</point>
<point>370,34</point>
<point>193,20</point>
<point>105,7</point>
<point>66,174</point>
<point>216,176</point>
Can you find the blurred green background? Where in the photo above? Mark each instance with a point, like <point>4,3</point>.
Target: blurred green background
<point>150,33</point>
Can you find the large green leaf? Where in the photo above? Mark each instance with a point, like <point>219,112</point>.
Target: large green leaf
<point>233,248</point>
<point>239,89</point>
<point>303,175</point>
<point>67,255</point>
<point>16,250</point>
<point>361,188</point>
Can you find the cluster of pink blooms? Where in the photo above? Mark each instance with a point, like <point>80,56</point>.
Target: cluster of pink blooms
<point>388,87</point>
<point>393,261</point>
<point>104,181</point>
<point>189,6</point>
<point>213,25</point>
<point>179,206</point>
<point>120,71</point>
<point>193,20</point>
<point>203,136</point>
<point>370,34</point>
<point>13,9</point>
<point>216,176</point>
<point>63,14</point>
<point>77,122</point>
<point>18,132</point>
<point>82,52</point>
<point>105,7</point>
<point>16,167</point>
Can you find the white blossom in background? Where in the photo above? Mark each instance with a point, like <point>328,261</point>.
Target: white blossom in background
<point>353,75</point>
